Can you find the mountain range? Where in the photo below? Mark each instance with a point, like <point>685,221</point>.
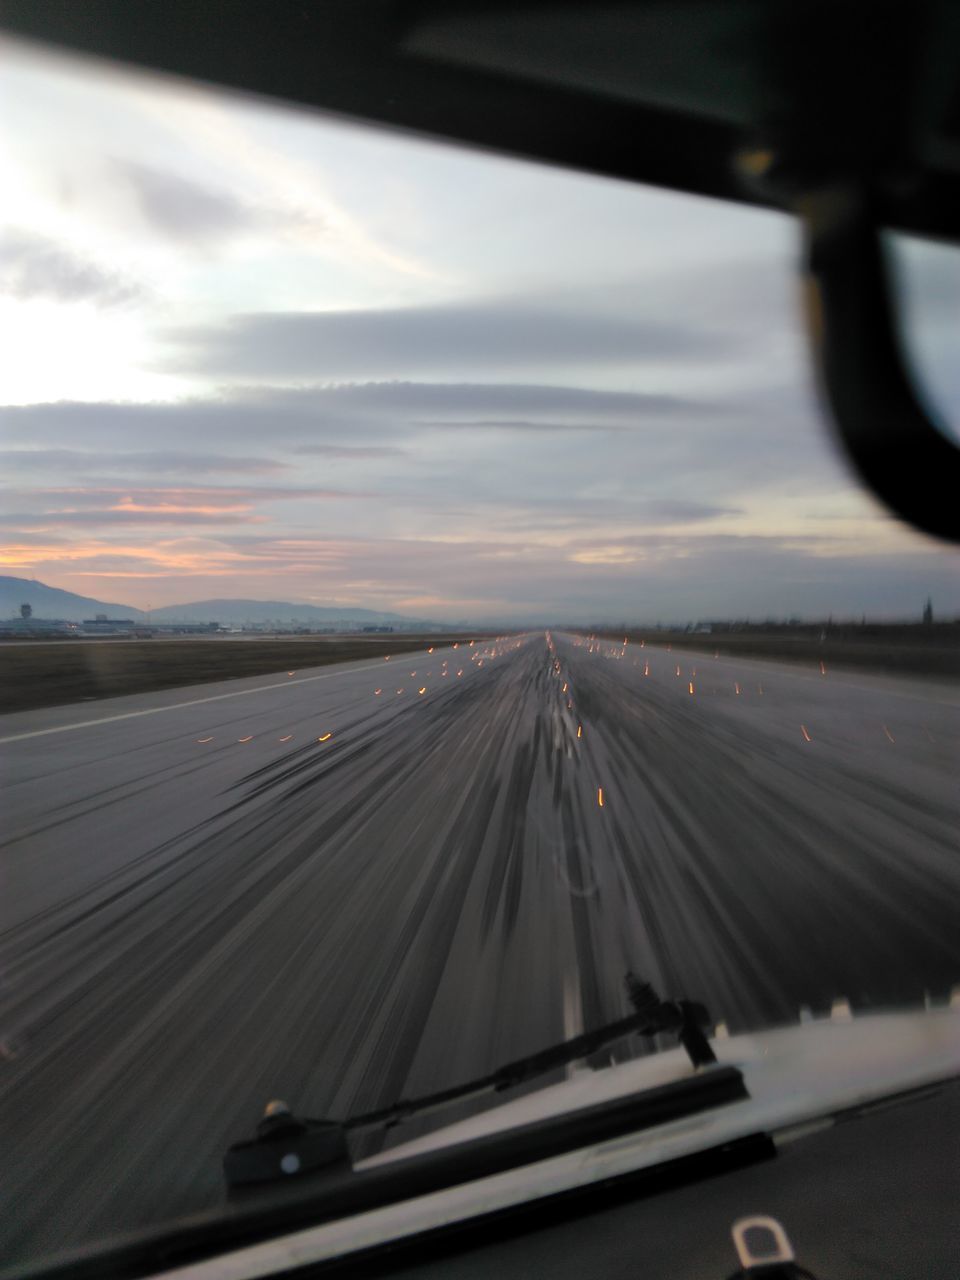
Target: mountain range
<point>52,602</point>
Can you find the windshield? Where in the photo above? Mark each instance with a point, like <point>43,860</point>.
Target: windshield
<point>431,595</point>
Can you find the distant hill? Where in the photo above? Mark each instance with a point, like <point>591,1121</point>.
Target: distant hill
<point>51,602</point>
<point>236,613</point>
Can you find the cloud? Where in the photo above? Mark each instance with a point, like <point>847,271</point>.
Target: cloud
<point>325,416</point>
<point>508,424</point>
<point>739,319</point>
<point>681,511</point>
<point>91,506</point>
<point>431,340</point>
<point>545,456</point>
<point>350,451</point>
<point>32,266</point>
<point>185,211</point>
<point>669,577</point>
<point>640,506</point>
<point>220,496</point>
<point>32,521</point>
<point>436,403</point>
<point>70,462</point>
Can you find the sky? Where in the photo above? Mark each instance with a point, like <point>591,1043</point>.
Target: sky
<point>256,352</point>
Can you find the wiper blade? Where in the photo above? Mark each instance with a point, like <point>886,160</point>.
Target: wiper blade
<point>651,1017</point>
<point>287,1144</point>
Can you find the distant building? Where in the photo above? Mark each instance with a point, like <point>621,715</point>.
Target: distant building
<point>28,626</point>
<point>26,611</point>
<point>185,628</point>
<point>928,613</point>
<point>101,625</point>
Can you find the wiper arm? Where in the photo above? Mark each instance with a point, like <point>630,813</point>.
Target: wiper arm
<point>651,1016</point>
<point>286,1144</point>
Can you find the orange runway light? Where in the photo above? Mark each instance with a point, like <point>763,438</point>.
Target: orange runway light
<point>823,669</point>
<point>690,686</point>
<point>646,668</point>
<point>600,796</point>
<point>291,673</point>
<point>249,738</point>
<point>205,739</point>
<point>424,689</point>
<point>430,650</point>
<point>736,687</point>
<point>803,730</point>
<point>579,730</point>
<point>326,737</point>
<point>888,733</point>
<point>286,739</point>
<point>678,670</point>
<point>376,691</point>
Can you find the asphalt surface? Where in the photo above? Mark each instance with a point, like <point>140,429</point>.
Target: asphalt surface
<point>342,886</point>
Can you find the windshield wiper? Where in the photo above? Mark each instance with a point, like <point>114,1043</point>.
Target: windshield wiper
<point>652,1016</point>
<point>286,1144</point>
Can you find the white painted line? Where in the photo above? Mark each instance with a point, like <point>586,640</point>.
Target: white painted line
<point>177,706</point>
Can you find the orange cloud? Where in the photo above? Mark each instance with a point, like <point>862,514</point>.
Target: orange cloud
<point>128,504</point>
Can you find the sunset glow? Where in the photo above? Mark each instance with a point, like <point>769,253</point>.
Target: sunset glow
<point>254,353</point>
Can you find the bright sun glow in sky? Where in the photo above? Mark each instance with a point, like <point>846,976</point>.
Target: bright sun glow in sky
<point>250,352</point>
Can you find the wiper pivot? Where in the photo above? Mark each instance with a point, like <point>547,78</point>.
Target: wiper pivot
<point>285,1145</point>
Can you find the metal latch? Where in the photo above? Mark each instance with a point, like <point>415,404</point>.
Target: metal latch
<point>765,1251</point>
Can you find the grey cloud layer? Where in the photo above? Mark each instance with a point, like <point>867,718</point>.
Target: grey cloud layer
<point>525,452</point>
<point>70,463</point>
<point>33,521</point>
<point>39,508</point>
<point>198,216</point>
<point>182,210</point>
<point>332,415</point>
<point>429,341</point>
<point>33,266</point>
<point>436,464</point>
<point>739,314</point>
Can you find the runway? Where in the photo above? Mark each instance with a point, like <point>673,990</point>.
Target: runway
<point>343,885</point>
